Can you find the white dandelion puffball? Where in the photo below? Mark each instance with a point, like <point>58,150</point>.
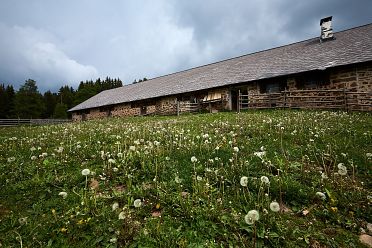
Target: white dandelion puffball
<point>115,206</point>
<point>265,180</point>
<point>342,170</point>
<point>85,172</point>
<point>137,203</point>
<point>236,149</point>
<point>122,216</point>
<point>63,194</point>
<point>194,159</point>
<point>274,206</point>
<point>320,195</point>
<point>244,181</point>
<point>177,179</point>
<point>251,217</point>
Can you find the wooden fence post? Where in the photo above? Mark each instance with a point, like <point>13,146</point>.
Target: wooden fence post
<point>178,108</point>
<point>238,102</point>
<point>345,101</point>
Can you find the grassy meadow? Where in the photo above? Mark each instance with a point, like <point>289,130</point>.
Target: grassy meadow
<point>261,178</point>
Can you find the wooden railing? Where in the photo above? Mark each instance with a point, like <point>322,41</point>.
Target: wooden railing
<point>17,122</point>
<point>308,99</point>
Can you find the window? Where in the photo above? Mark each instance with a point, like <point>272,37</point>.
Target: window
<point>312,80</point>
<point>213,96</point>
<point>273,85</point>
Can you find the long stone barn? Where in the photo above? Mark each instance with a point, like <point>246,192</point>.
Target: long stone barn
<point>333,71</point>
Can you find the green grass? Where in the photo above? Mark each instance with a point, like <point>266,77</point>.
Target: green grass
<point>185,203</point>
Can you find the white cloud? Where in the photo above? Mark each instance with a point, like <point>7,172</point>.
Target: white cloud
<point>27,52</point>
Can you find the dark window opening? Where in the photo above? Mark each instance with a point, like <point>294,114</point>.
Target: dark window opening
<point>273,85</point>
<point>312,80</point>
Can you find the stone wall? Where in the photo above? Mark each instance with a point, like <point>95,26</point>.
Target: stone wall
<point>351,88</point>
<point>125,109</point>
<point>76,116</point>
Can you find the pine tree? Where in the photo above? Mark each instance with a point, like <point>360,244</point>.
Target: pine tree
<point>28,101</point>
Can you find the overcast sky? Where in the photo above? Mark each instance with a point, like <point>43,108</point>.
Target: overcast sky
<point>64,42</point>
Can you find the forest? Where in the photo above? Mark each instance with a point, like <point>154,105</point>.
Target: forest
<point>29,103</point>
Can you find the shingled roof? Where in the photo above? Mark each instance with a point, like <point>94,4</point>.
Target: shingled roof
<point>349,47</point>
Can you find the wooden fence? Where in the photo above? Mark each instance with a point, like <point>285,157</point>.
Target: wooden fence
<point>17,122</point>
<point>308,99</point>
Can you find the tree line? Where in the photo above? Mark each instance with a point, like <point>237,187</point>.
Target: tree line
<point>29,103</point>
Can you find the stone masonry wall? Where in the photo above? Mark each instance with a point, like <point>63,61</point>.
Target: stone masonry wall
<point>352,79</point>
<point>125,109</point>
<point>76,117</point>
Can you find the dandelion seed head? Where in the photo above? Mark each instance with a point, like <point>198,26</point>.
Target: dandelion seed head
<point>244,181</point>
<point>321,195</point>
<point>63,194</point>
<point>115,206</point>
<point>274,206</point>
<point>251,217</point>
<point>194,159</point>
<point>265,180</point>
<point>236,149</point>
<point>137,203</point>
<point>121,215</point>
<point>342,170</point>
<point>85,172</point>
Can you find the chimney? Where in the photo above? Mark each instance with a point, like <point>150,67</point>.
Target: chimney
<point>326,29</point>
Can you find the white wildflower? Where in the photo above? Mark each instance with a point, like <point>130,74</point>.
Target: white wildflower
<point>260,154</point>
<point>199,178</point>
<point>11,159</point>
<point>236,149</point>
<point>132,148</point>
<point>111,161</point>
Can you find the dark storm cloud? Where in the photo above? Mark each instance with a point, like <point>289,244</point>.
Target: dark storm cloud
<point>58,42</point>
